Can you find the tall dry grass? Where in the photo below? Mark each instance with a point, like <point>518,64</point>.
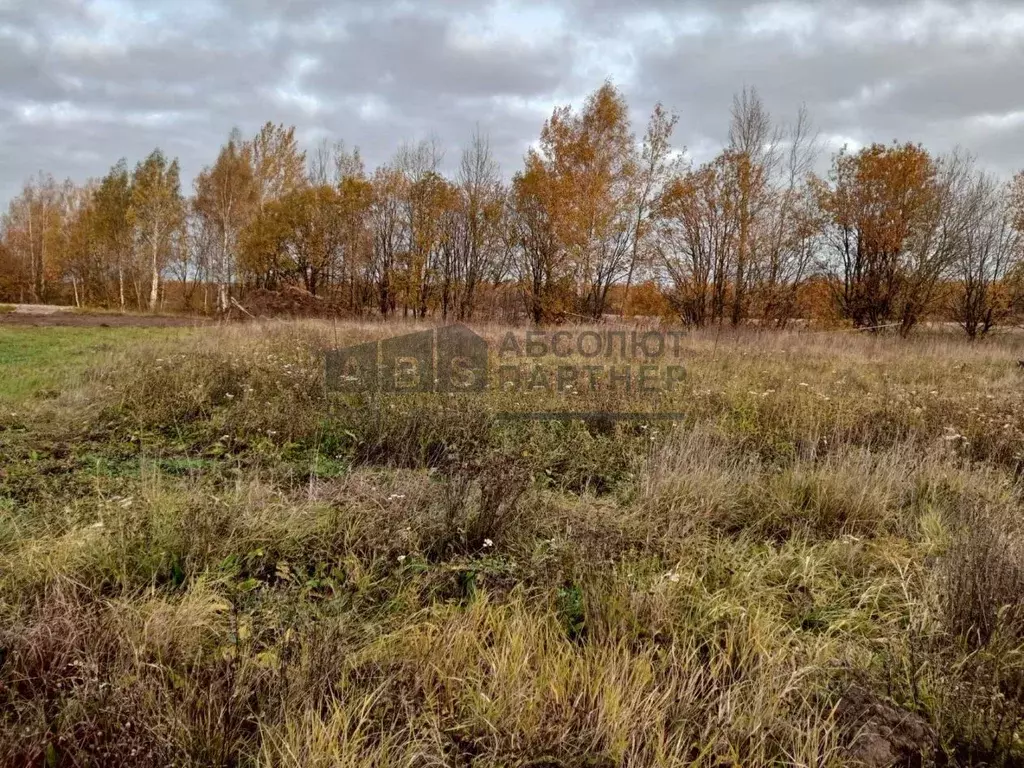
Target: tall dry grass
<point>207,560</point>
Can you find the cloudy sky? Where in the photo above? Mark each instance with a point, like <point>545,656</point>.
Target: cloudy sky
<point>84,82</point>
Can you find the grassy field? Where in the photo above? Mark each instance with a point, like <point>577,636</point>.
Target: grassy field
<point>36,363</point>
<point>207,560</point>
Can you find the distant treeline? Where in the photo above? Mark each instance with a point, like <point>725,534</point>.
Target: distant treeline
<point>596,221</point>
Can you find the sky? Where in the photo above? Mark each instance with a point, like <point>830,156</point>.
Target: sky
<point>86,82</point>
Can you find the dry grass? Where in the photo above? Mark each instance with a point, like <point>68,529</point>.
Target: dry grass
<point>205,560</point>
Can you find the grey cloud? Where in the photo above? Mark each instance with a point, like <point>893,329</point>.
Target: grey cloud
<point>85,83</point>
<point>925,88</point>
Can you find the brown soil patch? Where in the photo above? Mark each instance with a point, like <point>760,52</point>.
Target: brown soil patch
<point>86,320</point>
<point>886,734</point>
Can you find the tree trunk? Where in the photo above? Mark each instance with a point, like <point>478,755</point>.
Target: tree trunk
<point>222,286</point>
<point>41,268</point>
<point>32,256</point>
<point>625,294</point>
<point>739,290</point>
<point>120,282</point>
<point>154,291</point>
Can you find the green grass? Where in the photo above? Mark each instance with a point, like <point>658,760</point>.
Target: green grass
<point>6,308</point>
<point>41,361</point>
<point>204,560</point>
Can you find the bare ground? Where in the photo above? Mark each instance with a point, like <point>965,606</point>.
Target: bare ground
<point>49,315</point>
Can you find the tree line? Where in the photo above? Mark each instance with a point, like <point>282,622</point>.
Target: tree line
<point>595,222</point>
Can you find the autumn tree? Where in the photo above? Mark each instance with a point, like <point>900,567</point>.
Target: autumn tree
<point>199,251</point>
<point>320,164</point>
<point>23,227</point>
<point>1015,273</point>
<point>260,245</point>
<point>8,269</point>
<point>226,197</point>
<point>310,231</point>
<point>600,189</point>
<point>540,268</point>
<point>156,213</point>
<point>879,206</point>
<point>737,234</point>
<point>719,218</point>
<point>591,160</point>
<point>784,225</point>
<point>1015,193</point>
<point>52,234</point>
<point>422,191</point>
<point>941,241</point>
<point>475,229</point>
<point>438,203</point>
<point>985,255</point>
<point>387,234</point>
<point>753,155</point>
<point>698,231</point>
<point>112,228</point>
<point>423,208</point>
<point>654,171</point>
<point>31,226</point>
<point>355,200</point>
<point>278,165</point>
<point>79,257</point>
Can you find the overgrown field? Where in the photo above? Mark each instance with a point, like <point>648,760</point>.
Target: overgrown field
<point>205,559</point>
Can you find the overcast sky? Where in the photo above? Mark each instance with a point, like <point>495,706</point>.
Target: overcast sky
<point>85,82</point>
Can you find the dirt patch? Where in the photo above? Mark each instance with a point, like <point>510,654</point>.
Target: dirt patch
<point>886,734</point>
<point>86,320</point>
<point>291,302</point>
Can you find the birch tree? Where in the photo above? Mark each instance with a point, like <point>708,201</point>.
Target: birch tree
<point>156,213</point>
<point>226,195</point>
